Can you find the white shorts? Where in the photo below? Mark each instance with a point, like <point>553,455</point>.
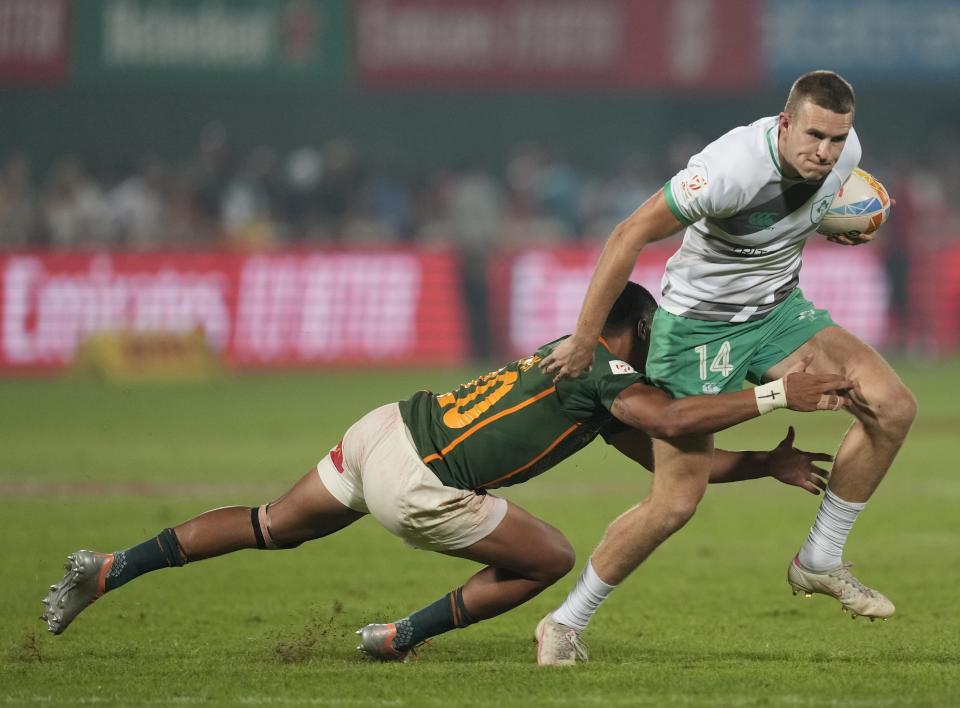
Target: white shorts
<point>376,469</point>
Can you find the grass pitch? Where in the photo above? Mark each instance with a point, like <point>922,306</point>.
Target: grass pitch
<point>708,621</point>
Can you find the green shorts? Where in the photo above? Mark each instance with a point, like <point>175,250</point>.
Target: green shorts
<point>690,357</point>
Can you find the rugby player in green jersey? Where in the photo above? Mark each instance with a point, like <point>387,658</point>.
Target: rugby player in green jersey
<point>422,468</point>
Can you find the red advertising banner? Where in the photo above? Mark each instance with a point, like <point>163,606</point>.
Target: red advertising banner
<point>33,41</point>
<point>935,305</point>
<point>277,309</point>
<point>537,293</point>
<point>551,44</point>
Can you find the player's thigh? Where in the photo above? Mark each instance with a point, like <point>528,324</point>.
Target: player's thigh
<point>408,499</point>
<point>681,471</point>
<point>880,391</point>
<point>306,511</point>
<point>792,324</point>
<point>833,350</point>
<point>524,544</point>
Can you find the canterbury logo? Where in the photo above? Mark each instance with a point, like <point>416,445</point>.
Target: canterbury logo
<point>762,219</point>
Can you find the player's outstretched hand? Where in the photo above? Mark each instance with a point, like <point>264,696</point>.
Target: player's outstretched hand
<point>795,467</point>
<point>816,392</point>
<point>569,359</point>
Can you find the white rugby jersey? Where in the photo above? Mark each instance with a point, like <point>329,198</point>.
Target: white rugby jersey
<point>746,225</point>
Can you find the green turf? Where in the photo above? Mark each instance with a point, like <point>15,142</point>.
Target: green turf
<point>708,621</point>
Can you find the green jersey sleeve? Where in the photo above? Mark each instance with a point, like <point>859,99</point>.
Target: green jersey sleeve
<point>581,397</point>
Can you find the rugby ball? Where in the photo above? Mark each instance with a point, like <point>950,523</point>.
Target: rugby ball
<point>859,208</point>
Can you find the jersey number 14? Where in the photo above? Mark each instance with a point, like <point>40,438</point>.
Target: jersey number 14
<point>720,364</point>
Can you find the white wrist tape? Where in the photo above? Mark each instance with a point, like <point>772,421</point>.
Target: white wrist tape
<point>771,396</point>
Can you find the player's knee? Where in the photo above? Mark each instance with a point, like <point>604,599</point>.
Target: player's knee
<point>892,410</point>
<point>556,563</point>
<point>676,512</point>
<point>565,560</point>
<point>903,410</point>
<point>265,535</point>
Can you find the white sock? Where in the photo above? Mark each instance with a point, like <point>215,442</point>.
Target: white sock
<point>583,600</point>
<point>824,547</point>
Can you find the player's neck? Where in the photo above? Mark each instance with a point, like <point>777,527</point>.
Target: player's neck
<point>786,169</point>
<point>620,344</point>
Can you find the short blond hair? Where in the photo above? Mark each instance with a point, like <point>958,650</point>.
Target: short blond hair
<point>826,89</point>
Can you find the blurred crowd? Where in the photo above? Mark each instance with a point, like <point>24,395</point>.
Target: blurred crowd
<point>326,194</point>
<point>334,193</point>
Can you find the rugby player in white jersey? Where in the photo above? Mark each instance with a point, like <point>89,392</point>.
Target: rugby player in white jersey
<point>731,310</point>
<point>422,468</point>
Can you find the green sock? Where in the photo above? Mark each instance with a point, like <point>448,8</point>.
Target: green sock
<point>441,616</point>
<point>161,551</point>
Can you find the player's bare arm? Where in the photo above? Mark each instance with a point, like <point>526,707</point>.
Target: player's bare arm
<point>653,411</point>
<point>784,462</point>
<point>653,221</point>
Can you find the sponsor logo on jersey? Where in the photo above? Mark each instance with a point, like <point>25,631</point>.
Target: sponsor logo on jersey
<point>711,389</point>
<point>820,207</point>
<point>621,367</point>
<point>807,315</point>
<point>763,219</point>
<point>748,251</point>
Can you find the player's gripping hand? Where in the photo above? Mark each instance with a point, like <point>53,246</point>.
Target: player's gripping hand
<point>569,359</point>
<point>850,239</point>
<point>816,392</point>
<point>795,467</point>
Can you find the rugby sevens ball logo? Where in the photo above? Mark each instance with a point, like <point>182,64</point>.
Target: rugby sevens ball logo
<point>692,184</point>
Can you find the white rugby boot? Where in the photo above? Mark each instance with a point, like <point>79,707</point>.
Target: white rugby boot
<point>558,644</point>
<point>855,597</point>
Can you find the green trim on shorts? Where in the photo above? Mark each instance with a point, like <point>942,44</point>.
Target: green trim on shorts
<point>691,357</point>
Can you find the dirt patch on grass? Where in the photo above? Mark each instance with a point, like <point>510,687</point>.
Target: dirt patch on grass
<point>298,648</point>
<point>27,650</point>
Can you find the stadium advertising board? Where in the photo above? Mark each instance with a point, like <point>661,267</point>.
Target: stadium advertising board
<point>267,310</point>
<point>209,42</point>
<point>576,44</point>
<point>537,293</point>
<point>33,41</point>
<point>938,293</point>
<point>876,41</point>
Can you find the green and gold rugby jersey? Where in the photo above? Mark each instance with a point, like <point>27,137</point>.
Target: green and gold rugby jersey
<point>515,423</point>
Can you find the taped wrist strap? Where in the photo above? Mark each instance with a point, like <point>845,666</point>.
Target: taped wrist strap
<point>771,396</point>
